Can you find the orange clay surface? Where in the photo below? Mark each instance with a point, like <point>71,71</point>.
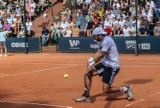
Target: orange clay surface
<point>36,81</point>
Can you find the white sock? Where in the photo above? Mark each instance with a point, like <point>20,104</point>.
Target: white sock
<point>124,89</point>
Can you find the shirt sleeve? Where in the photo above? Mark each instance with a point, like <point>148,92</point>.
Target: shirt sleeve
<point>106,46</point>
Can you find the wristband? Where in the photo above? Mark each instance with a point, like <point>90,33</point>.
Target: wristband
<point>91,61</point>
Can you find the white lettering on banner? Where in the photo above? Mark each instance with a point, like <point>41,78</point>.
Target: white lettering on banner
<point>74,43</point>
<point>130,44</point>
<point>142,46</point>
<point>145,46</point>
<point>95,46</point>
<point>18,44</point>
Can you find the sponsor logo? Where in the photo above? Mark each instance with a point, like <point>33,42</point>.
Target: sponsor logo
<point>95,46</point>
<point>145,46</point>
<point>130,45</point>
<point>18,44</point>
<point>74,44</point>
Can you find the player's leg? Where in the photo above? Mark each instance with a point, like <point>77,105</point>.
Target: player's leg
<point>5,49</point>
<point>1,49</point>
<point>108,78</point>
<point>96,70</point>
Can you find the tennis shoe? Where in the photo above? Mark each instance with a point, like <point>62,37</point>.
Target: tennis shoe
<point>130,93</point>
<point>5,55</point>
<point>1,55</point>
<point>83,99</point>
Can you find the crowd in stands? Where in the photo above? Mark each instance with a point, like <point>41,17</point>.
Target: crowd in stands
<point>12,19</point>
<point>117,17</point>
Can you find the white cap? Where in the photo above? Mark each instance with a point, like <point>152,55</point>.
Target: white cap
<point>98,30</point>
<point>115,0</point>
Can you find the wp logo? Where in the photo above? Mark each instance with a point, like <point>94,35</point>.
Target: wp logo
<point>74,43</point>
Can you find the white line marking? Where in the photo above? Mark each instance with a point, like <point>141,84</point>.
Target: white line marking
<point>133,103</point>
<point>39,104</point>
<point>71,61</point>
<point>3,74</point>
<point>34,63</point>
<point>141,100</point>
<point>24,73</point>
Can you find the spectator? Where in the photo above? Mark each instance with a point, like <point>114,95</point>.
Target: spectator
<point>116,29</point>
<point>29,27</point>
<point>45,36</point>
<point>126,30</point>
<point>157,29</point>
<point>116,11</point>
<point>68,31</point>
<point>83,29</point>
<point>75,31</point>
<point>157,8</point>
<point>90,27</point>
<point>108,30</point>
<point>63,26</point>
<point>21,33</point>
<point>133,29</point>
<point>142,30</point>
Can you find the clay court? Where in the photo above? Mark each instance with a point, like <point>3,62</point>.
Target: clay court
<point>36,81</point>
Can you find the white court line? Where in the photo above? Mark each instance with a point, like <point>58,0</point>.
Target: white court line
<point>37,71</point>
<point>35,63</point>
<point>138,66</point>
<point>135,102</point>
<point>39,104</point>
<point>73,61</point>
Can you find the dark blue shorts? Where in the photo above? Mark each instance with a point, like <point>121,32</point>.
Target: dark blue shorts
<point>107,73</point>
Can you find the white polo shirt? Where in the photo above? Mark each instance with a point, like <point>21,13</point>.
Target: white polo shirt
<point>111,59</point>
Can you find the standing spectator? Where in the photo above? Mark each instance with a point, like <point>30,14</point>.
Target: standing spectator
<point>3,42</point>
<point>142,30</point>
<point>157,29</point>
<point>45,36</point>
<point>75,31</point>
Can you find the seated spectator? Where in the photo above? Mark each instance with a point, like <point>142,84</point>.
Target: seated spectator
<point>96,19</point>
<point>75,31</point>
<point>107,22</point>
<point>90,27</point>
<point>83,28</point>
<point>157,29</point>
<point>29,27</point>
<point>79,18</point>
<point>116,28</point>
<point>126,30</point>
<point>142,30</point>
<point>63,26</point>
<point>116,4</point>
<point>7,27</point>
<point>68,32</point>
<point>157,8</point>
<point>133,29</point>
<point>1,24</point>
<point>45,36</point>
<point>108,30</point>
<point>21,33</point>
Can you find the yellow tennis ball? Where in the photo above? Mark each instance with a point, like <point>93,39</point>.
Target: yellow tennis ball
<point>66,75</point>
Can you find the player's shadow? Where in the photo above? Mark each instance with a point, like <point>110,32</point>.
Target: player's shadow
<point>138,81</point>
<point>109,97</point>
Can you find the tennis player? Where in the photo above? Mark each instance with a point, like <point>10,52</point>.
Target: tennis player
<point>3,42</point>
<point>105,63</point>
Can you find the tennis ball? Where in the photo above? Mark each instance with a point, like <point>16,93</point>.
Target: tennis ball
<point>66,75</point>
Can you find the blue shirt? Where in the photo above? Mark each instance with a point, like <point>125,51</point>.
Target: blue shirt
<point>2,36</point>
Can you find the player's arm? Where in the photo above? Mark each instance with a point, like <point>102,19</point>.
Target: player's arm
<point>96,58</point>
